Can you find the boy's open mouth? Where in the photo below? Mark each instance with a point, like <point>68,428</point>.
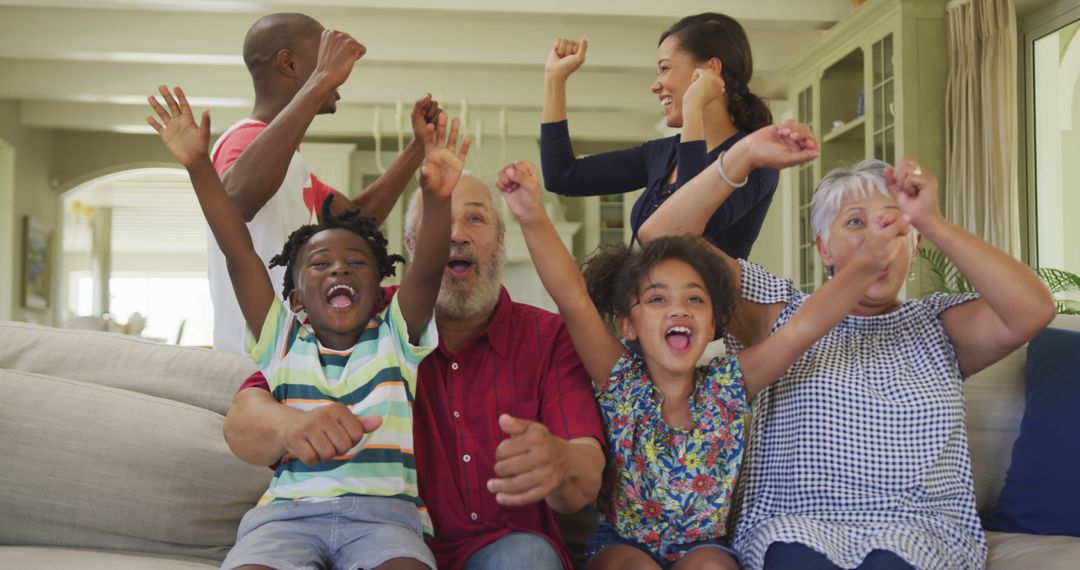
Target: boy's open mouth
<point>341,296</point>
<point>678,337</point>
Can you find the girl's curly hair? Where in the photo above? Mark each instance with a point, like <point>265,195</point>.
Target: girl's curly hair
<point>613,276</point>
<point>351,220</point>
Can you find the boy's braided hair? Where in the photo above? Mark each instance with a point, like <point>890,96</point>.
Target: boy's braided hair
<point>351,220</point>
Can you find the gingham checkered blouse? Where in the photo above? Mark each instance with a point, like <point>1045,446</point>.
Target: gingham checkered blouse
<point>862,444</point>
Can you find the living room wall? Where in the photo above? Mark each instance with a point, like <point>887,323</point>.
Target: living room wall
<point>83,156</point>
<point>30,153</point>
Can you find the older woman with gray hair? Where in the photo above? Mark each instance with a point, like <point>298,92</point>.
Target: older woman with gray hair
<point>858,456</point>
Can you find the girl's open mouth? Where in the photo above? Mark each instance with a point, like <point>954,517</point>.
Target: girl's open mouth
<point>678,337</point>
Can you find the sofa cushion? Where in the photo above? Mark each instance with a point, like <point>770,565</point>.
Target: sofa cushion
<point>1040,495</point>
<point>46,558</point>
<point>98,467</point>
<point>196,376</point>
<point>1025,551</point>
<point>994,406</point>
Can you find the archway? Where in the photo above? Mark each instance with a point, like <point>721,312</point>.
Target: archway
<point>134,250</point>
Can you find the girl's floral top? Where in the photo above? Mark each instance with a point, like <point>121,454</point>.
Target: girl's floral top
<point>668,486</point>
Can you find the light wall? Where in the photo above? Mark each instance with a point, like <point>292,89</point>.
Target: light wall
<point>25,170</point>
<point>7,223</point>
<point>82,156</point>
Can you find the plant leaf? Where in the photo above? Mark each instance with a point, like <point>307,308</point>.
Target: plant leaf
<point>1059,281</point>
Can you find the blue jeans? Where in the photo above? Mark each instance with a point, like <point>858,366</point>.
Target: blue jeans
<point>517,550</point>
<point>348,532</point>
<point>606,537</point>
<point>785,555</point>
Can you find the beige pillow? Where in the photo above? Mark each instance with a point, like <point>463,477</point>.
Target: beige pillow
<point>91,466</point>
<point>994,406</point>
<point>197,376</point>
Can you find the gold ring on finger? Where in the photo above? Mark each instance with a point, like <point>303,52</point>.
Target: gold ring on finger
<point>917,171</point>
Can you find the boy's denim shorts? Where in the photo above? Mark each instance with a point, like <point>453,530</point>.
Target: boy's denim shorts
<point>606,537</point>
<point>347,532</point>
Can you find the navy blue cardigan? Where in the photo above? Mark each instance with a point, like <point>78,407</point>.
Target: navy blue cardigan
<point>733,227</point>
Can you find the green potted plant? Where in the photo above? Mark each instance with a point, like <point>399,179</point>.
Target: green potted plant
<point>947,278</point>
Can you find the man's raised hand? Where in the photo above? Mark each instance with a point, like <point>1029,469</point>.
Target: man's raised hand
<point>426,110</point>
<point>338,53</point>
<point>186,140</point>
<point>443,159</point>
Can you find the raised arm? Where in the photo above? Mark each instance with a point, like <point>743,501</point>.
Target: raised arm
<point>692,154</point>
<point>689,210</point>
<point>1015,305</point>
<point>766,361</point>
<point>705,87</point>
<point>443,163</point>
<point>565,58</point>
<point>254,178</point>
<point>188,142</point>
<point>564,173</point>
<point>598,347</point>
<point>378,199</point>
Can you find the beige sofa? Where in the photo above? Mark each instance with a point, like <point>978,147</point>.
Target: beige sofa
<point>112,453</point>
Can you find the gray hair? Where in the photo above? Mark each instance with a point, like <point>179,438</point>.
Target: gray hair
<point>412,213</point>
<point>865,179</point>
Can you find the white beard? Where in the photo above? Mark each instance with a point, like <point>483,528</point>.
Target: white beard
<point>456,302</point>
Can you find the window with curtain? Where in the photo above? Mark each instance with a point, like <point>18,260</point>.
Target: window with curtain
<point>1053,145</point>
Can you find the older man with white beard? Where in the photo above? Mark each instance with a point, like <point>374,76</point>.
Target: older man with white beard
<point>506,428</point>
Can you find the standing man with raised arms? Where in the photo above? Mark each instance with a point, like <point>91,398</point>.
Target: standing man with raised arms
<point>296,67</point>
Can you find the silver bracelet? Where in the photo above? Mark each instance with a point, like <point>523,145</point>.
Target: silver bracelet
<point>724,176</point>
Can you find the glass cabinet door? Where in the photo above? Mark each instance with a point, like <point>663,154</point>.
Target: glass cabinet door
<point>883,125</point>
<point>809,276</point>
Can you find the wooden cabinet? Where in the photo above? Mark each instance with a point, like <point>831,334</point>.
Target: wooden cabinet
<point>873,86</point>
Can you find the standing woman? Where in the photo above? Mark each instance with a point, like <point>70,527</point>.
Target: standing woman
<point>703,74</point>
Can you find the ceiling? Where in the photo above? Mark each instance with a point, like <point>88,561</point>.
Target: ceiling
<point>89,64</point>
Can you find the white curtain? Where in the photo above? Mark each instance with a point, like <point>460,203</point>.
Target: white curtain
<point>981,122</point>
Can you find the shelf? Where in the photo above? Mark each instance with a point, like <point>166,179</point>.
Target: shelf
<point>846,131</point>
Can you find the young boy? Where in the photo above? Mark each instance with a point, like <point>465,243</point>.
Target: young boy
<point>360,509</point>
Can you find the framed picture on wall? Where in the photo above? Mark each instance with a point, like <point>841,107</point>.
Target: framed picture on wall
<point>37,258</point>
